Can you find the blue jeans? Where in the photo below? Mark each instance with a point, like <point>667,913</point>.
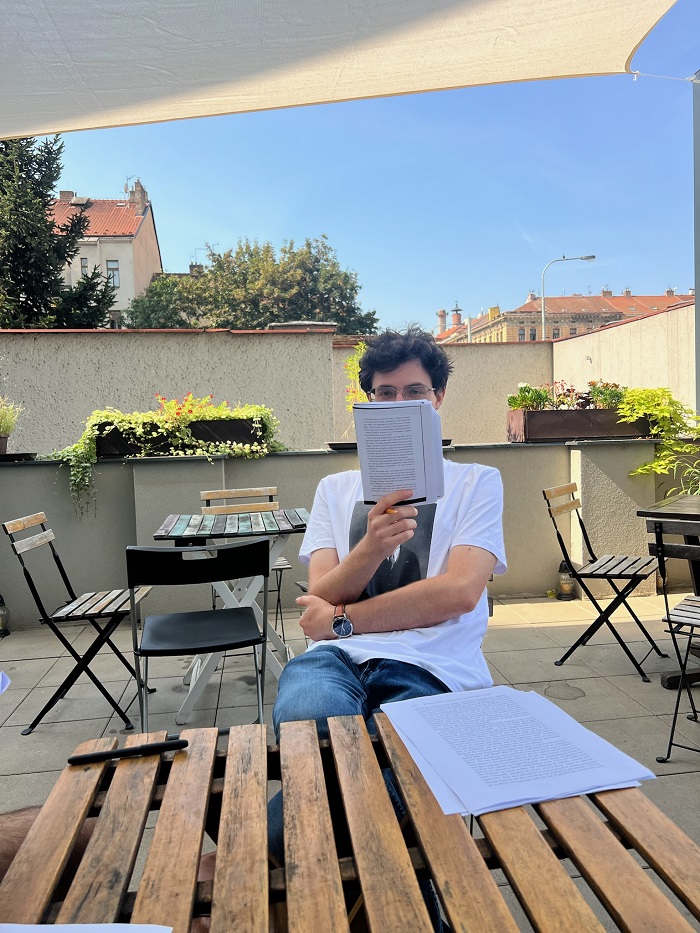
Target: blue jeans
<point>326,682</point>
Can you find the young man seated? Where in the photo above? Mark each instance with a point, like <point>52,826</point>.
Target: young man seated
<point>397,605</point>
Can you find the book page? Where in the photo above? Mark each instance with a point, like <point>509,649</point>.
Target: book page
<point>396,451</point>
<point>503,747</point>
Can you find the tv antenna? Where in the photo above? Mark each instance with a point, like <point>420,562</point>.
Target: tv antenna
<point>126,183</point>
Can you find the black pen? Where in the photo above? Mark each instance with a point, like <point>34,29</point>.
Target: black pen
<point>130,751</point>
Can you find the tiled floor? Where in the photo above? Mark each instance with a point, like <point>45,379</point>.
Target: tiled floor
<point>597,686</point>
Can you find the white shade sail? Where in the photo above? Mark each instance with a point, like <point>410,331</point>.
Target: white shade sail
<point>79,64</point>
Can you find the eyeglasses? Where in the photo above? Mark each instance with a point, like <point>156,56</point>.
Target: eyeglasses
<point>410,393</point>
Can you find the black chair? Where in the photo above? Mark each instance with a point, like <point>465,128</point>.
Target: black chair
<point>684,619</point>
<point>211,631</point>
<point>622,573</point>
<point>102,610</point>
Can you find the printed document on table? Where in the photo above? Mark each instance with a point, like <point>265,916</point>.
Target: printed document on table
<point>399,446</point>
<point>485,750</point>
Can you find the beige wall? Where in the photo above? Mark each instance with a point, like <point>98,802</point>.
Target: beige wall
<point>656,351</point>
<point>475,408</point>
<point>146,254</point>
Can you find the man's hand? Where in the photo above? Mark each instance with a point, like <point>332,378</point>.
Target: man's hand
<point>389,524</point>
<point>317,618</point>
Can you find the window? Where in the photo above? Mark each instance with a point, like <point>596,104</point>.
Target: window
<point>555,334</point>
<point>521,334</point>
<point>573,331</point>
<point>113,271</point>
<point>83,265</point>
<point>533,333</point>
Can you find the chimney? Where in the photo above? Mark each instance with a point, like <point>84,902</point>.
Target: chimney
<point>139,196</point>
<point>456,317</point>
<point>532,296</point>
<point>66,195</point>
<point>442,321</point>
<point>627,293</point>
<point>607,293</point>
<point>196,268</point>
<point>691,291</point>
<point>670,292</point>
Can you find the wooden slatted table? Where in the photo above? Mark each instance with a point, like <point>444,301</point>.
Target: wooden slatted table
<point>350,866</point>
<point>277,525</point>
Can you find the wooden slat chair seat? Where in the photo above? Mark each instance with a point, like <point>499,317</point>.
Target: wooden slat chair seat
<point>623,573</point>
<point>216,503</point>
<point>683,620</point>
<point>104,610</point>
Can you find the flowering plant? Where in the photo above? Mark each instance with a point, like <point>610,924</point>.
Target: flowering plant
<point>166,432</point>
<point>562,396</point>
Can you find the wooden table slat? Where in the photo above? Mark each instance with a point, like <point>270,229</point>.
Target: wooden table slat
<point>207,525</point>
<point>167,888</point>
<point>219,526</point>
<point>672,854</point>
<point>245,524</point>
<point>167,526</point>
<point>257,524</point>
<point>552,906</point>
<point>102,879</point>
<point>603,861</point>
<point>98,608</point>
<point>193,526</point>
<point>232,522</point>
<point>282,520</point>
<point>378,845</point>
<point>314,890</point>
<point>27,887</point>
<point>466,887</point>
<point>270,523</point>
<point>179,527</point>
<point>240,896</point>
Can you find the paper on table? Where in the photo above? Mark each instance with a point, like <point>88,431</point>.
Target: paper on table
<point>485,750</point>
<point>84,928</point>
<point>4,681</point>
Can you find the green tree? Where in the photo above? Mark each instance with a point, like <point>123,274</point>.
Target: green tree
<point>33,253</point>
<point>251,287</point>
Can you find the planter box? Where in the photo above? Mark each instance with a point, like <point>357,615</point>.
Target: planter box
<point>541,427</point>
<point>239,430</point>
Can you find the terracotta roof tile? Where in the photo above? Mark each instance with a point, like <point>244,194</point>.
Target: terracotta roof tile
<point>107,218</point>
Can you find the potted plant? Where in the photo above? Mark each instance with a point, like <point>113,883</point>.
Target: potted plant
<point>173,430</point>
<point>9,416</point>
<point>353,394</point>
<point>560,412</point>
<point>677,430</point>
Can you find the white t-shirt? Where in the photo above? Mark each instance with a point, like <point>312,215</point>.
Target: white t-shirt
<point>469,513</point>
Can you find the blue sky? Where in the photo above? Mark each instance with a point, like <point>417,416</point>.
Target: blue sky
<point>454,196</point>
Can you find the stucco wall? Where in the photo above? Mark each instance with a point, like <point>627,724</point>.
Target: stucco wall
<point>146,254</point>
<point>652,352</point>
<point>61,378</point>
<point>475,408</point>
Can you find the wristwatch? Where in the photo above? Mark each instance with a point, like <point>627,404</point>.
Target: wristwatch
<point>342,626</point>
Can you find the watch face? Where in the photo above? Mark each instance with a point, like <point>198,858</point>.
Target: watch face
<point>342,626</point>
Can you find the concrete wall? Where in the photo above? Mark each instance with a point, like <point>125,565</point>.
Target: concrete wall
<point>656,351</point>
<point>475,408</point>
<point>135,496</point>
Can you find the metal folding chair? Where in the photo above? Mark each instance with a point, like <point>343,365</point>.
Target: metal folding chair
<point>102,610</point>
<point>223,507</point>
<point>684,619</point>
<point>622,573</point>
<point>205,632</point>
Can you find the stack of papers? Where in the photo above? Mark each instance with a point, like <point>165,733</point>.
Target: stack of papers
<point>486,750</point>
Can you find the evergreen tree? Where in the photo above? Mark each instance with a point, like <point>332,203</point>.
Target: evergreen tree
<point>33,253</point>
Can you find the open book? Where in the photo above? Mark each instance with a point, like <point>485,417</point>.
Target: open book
<point>399,445</point>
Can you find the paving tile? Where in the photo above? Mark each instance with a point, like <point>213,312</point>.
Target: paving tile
<point>29,673</point>
<point>565,634</point>
<point>534,665</point>
<point>47,748</point>
<point>243,715</point>
<point>83,701</point>
<point>108,667</point>
<point>37,642</point>
<point>589,698</point>
<point>496,675</point>
<point>609,660</point>
<point>551,610</point>
<point>238,689</point>
<point>171,693</point>
<point>121,638</point>
<point>31,791</point>
<point>198,719</point>
<point>10,700</point>
<point>675,794</point>
<point>514,637</point>
<point>645,737</point>
<point>504,615</point>
<point>651,696</point>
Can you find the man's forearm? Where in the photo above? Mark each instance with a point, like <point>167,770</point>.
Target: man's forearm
<point>418,605</point>
<point>346,581</point>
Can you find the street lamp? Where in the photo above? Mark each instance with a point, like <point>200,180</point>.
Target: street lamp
<point>544,307</point>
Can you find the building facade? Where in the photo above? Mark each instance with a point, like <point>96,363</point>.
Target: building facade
<point>568,316</point>
<point>121,241</point>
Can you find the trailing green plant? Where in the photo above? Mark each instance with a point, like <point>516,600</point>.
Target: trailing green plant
<point>353,390</point>
<point>164,432</point>
<point>677,429</point>
<point>9,415</point>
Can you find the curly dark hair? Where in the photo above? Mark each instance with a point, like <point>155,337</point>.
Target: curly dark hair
<point>391,349</point>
